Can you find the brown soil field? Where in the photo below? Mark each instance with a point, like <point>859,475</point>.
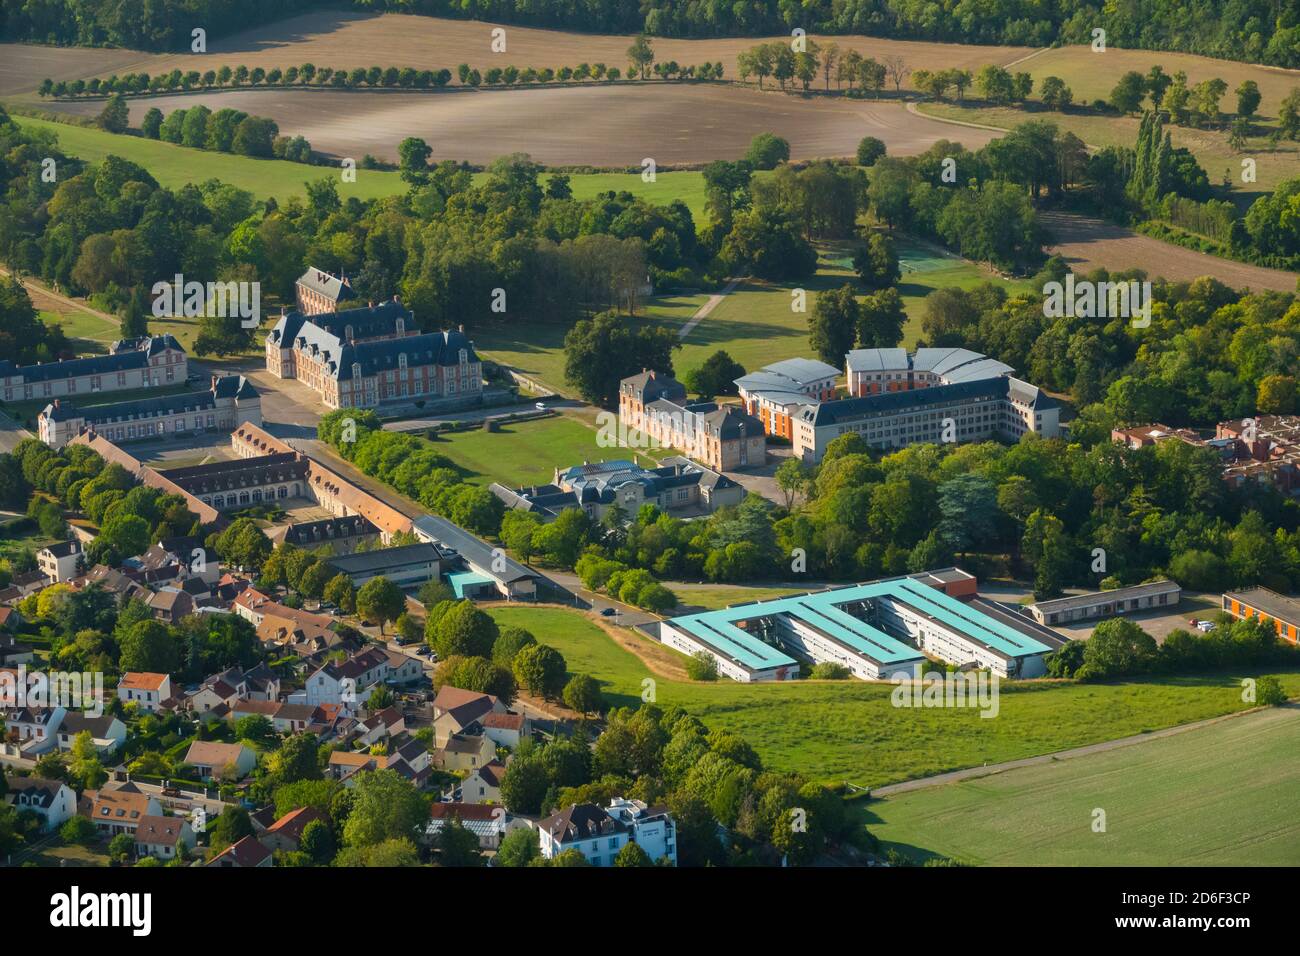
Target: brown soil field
<point>22,66</point>
<point>603,125</point>
<point>352,39</point>
<point>1087,243</point>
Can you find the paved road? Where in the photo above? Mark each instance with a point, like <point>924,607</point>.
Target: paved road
<point>11,433</point>
<point>707,307</point>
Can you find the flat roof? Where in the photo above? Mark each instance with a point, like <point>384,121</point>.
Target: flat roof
<point>1275,605</point>
<point>1103,597</point>
<point>460,580</point>
<point>822,611</point>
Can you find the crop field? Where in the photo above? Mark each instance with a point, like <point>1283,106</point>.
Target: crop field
<point>849,730</point>
<point>606,125</point>
<point>23,66</point>
<point>1087,243</point>
<point>1223,795</point>
<point>342,39</point>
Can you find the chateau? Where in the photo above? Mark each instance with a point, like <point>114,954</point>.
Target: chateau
<point>721,437</point>
<point>362,358</point>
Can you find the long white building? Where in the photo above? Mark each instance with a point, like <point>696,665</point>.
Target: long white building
<point>152,361</point>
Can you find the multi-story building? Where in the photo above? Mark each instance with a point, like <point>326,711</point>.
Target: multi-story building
<point>872,371</point>
<point>721,437</point>
<point>318,291</point>
<point>774,393</point>
<point>599,834</point>
<point>407,566</point>
<point>678,485</point>
<point>230,401</point>
<point>363,358</point>
<point>61,562</point>
<point>1260,603</point>
<point>152,361</point>
<point>970,411</point>
<point>231,485</point>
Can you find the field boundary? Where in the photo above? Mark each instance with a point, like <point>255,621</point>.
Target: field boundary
<point>975,773</point>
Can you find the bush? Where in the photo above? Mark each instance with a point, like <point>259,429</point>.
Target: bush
<point>78,830</point>
<point>828,670</point>
<point>702,667</point>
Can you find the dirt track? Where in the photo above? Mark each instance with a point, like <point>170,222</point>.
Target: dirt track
<point>1087,243</point>
<point>596,125</point>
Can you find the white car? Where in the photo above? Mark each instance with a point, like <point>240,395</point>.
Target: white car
<point>540,406</point>
<point>1205,626</point>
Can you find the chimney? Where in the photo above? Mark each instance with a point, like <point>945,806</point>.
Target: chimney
<point>214,380</point>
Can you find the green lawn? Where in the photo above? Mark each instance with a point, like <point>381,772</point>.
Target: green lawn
<point>95,334</point>
<point>174,166</point>
<point>849,730</point>
<point>1225,795</point>
<point>28,410</point>
<point>714,598</point>
<point>524,453</point>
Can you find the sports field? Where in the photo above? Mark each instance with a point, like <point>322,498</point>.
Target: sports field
<point>1223,795</point>
<point>849,730</point>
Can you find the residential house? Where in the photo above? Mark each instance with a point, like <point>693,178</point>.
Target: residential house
<point>285,834</point>
<point>348,682</point>
<point>147,691</point>
<point>118,810</point>
<point>60,562</point>
<point>107,732</point>
<point>12,651</point>
<point>599,834</point>
<point>214,760</point>
<point>52,800</point>
<point>455,710</point>
<point>483,785</point>
<point>489,824</point>
<point>505,730</point>
<point>170,604</point>
<point>465,751</point>
<point>246,853</point>
<point>165,838</point>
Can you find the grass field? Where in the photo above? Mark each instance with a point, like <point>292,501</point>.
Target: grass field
<point>713,598</point>
<point>524,453</point>
<point>849,730</point>
<point>1224,795</point>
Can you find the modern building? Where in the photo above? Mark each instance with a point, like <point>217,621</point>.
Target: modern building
<point>408,566</point>
<point>600,834</point>
<point>1154,595</point>
<point>475,569</point>
<point>229,401</point>
<point>363,358</point>
<point>677,486</point>
<point>873,371</point>
<point>774,393</point>
<point>721,437</point>
<point>152,361</point>
<point>881,630</point>
<point>61,562</point>
<point>968,411</point>
<point>1268,606</point>
<point>317,292</point>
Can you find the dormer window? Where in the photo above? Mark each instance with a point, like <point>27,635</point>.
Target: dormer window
<point>356,370</point>
<point>401,326</point>
<point>401,360</point>
<point>464,356</point>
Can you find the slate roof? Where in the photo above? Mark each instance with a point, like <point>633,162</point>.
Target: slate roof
<point>581,821</point>
<point>240,473</point>
<point>129,358</point>
<point>384,559</point>
<point>227,386</point>
<point>330,286</point>
<point>852,409</point>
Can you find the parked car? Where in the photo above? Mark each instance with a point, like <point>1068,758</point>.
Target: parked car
<point>1206,626</point>
<point>540,406</point>
<point>608,611</point>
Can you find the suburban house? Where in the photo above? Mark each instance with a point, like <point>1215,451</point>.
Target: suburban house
<point>60,562</point>
<point>170,604</point>
<point>244,854</point>
<point>285,834</point>
<point>107,733</point>
<point>455,710</point>
<point>52,800</point>
<point>505,730</point>
<point>147,691</point>
<point>347,682</point>
<point>599,834</point>
<point>483,785</point>
<point>465,751</point>
<point>118,810</point>
<point>163,837</point>
<point>210,759</point>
